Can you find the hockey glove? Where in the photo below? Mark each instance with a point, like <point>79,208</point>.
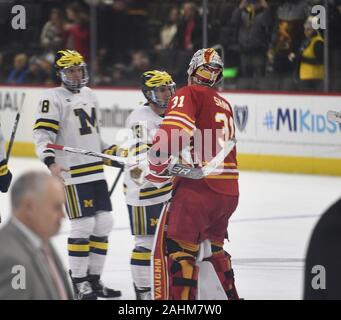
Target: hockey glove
<point>115,150</point>
<point>5,177</point>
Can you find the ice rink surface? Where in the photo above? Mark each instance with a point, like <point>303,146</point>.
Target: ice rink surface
<point>269,232</point>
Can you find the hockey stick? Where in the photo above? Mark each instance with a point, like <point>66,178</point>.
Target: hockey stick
<point>115,182</point>
<point>86,152</point>
<point>334,116</point>
<point>14,131</point>
<point>199,173</point>
<point>177,169</point>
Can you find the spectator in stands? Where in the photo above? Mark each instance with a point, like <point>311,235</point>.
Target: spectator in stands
<point>140,63</point>
<point>51,37</point>
<point>189,33</point>
<point>168,31</point>
<point>335,45</point>
<point>36,74</point>
<point>288,34</point>
<point>113,43</point>
<point>118,75</point>
<point>2,73</point>
<point>76,33</point>
<point>19,71</point>
<point>253,22</point>
<point>310,58</point>
<point>137,11</point>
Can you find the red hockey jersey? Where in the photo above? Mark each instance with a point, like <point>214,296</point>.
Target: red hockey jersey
<point>206,118</point>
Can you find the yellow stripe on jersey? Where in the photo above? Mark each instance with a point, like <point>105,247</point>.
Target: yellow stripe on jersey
<point>148,193</point>
<point>181,114</point>
<point>229,164</point>
<point>88,169</point>
<point>177,124</point>
<point>230,177</point>
<point>46,124</point>
<point>226,164</point>
<point>140,148</point>
<point>181,120</point>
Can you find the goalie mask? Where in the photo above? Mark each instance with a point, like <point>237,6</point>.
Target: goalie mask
<point>71,69</point>
<point>157,87</point>
<point>206,67</point>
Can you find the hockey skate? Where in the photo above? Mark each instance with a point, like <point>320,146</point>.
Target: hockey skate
<point>100,290</point>
<point>143,293</point>
<point>82,289</point>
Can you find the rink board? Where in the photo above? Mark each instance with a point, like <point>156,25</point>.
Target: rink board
<point>275,132</point>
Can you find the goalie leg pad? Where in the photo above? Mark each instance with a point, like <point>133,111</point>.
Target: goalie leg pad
<point>221,262</point>
<point>182,270</point>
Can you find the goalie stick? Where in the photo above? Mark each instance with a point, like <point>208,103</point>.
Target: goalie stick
<point>199,173</point>
<point>177,169</point>
<point>334,116</point>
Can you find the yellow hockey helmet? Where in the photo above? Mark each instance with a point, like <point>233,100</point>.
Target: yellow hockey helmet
<point>154,85</point>
<point>64,61</point>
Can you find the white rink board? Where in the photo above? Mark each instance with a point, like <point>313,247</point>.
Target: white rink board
<point>269,124</point>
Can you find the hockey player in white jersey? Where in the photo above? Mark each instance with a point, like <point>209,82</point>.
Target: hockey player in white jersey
<point>145,200</point>
<point>67,115</point>
<point>5,173</point>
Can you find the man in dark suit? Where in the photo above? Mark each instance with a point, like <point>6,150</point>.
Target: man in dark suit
<point>29,266</point>
<point>323,261</point>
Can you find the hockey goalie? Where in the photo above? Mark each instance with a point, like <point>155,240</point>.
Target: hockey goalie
<point>197,216</point>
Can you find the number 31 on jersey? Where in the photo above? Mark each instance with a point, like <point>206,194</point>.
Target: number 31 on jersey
<point>178,102</point>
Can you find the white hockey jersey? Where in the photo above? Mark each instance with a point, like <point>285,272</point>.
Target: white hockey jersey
<point>70,119</point>
<point>2,147</point>
<point>144,123</point>
<point>3,162</point>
